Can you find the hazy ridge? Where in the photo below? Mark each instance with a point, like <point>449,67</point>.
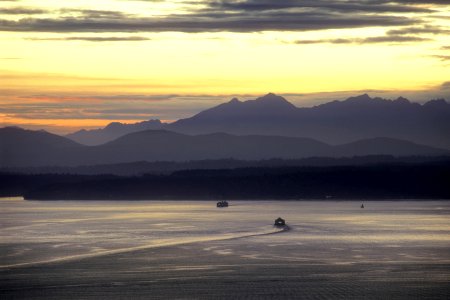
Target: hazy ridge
<point>26,148</point>
<point>335,122</point>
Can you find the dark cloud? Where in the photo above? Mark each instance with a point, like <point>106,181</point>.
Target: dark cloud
<point>234,16</point>
<point>291,21</point>
<point>173,106</point>
<point>94,13</point>
<point>74,110</point>
<point>21,11</point>
<point>120,98</point>
<point>437,2</point>
<point>440,17</point>
<point>401,35</point>
<point>95,39</point>
<point>59,114</point>
<point>394,39</point>
<point>340,6</point>
<point>108,107</point>
<point>445,85</point>
<point>442,57</point>
<point>136,111</point>
<point>368,40</point>
<point>165,97</point>
<point>445,48</point>
<point>326,41</point>
<point>418,30</point>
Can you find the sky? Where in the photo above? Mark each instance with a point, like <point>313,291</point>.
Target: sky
<point>66,65</point>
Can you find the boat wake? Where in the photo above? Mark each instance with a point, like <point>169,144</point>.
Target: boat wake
<point>268,230</point>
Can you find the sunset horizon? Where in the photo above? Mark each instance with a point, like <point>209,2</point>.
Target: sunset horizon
<point>224,149</point>
<point>68,66</point>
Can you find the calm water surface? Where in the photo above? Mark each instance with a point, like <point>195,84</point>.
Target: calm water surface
<point>386,240</point>
<point>34,231</point>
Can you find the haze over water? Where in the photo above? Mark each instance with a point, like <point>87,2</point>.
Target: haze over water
<point>400,249</point>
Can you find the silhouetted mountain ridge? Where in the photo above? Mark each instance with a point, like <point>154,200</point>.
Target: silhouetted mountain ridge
<point>111,132</point>
<point>26,147</point>
<point>335,122</point>
<point>139,168</point>
<point>163,145</point>
<point>377,182</point>
<point>21,137</point>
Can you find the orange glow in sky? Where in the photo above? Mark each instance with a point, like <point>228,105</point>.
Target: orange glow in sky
<point>66,65</point>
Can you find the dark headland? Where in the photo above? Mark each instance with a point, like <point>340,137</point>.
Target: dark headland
<point>266,148</point>
<point>373,181</point>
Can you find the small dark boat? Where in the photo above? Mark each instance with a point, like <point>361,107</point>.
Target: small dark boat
<point>279,222</point>
<point>222,204</point>
<point>362,205</point>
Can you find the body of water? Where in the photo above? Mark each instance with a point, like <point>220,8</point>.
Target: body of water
<point>104,249</point>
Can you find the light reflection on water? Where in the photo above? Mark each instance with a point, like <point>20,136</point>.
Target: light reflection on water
<point>41,231</point>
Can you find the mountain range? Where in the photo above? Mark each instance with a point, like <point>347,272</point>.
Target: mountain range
<point>140,168</point>
<point>111,132</point>
<point>335,122</point>
<point>26,148</point>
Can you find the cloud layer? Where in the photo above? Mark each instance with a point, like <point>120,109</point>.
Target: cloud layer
<point>114,72</point>
<point>231,16</point>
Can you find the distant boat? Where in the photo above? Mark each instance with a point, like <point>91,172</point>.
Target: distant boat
<point>279,222</point>
<point>222,204</point>
<point>362,205</point>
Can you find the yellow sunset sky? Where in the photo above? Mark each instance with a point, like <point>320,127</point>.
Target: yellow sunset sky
<point>66,65</point>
